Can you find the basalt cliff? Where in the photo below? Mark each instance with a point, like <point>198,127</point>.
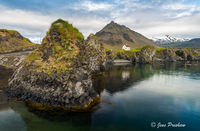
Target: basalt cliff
<point>58,73</point>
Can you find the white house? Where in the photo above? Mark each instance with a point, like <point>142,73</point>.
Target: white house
<point>126,47</point>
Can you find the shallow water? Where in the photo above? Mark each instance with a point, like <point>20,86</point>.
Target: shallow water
<point>138,97</point>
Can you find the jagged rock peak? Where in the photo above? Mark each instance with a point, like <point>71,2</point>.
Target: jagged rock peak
<point>62,31</point>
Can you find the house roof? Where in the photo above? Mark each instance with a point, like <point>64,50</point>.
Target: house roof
<point>127,45</point>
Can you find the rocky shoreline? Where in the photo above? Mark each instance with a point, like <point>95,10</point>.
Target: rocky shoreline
<point>151,54</point>
<point>14,59</point>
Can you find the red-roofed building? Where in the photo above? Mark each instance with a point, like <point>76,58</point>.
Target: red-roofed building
<point>126,47</point>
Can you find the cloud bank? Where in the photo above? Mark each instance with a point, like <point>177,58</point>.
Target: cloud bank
<point>151,18</point>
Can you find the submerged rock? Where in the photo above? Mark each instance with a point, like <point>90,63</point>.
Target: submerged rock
<point>58,73</point>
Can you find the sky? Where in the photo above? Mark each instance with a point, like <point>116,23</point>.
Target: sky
<point>152,18</point>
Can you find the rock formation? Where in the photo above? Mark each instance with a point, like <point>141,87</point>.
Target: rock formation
<point>58,73</point>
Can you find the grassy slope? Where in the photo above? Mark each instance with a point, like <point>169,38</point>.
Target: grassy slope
<point>11,40</point>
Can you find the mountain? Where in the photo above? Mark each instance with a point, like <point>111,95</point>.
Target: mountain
<point>193,43</point>
<point>167,39</point>
<point>114,36</point>
<point>11,41</point>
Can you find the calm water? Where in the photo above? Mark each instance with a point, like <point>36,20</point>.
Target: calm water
<point>133,98</point>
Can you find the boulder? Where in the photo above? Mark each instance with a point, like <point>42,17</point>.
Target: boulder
<point>146,54</point>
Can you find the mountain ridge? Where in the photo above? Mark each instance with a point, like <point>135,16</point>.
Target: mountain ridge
<point>167,39</point>
<point>193,43</point>
<point>114,35</point>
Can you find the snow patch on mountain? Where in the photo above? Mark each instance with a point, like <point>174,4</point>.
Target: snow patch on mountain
<point>168,39</point>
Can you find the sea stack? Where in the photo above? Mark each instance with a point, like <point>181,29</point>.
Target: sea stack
<point>58,73</point>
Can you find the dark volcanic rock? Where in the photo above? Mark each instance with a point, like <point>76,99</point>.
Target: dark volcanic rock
<point>58,73</point>
<point>146,54</point>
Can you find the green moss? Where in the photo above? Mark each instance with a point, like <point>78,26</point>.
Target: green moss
<point>65,44</point>
<point>70,69</point>
<point>160,49</point>
<point>9,31</point>
<point>33,57</point>
<point>136,49</point>
<point>120,50</point>
<point>63,68</point>
<point>148,47</point>
<point>80,37</point>
<point>107,50</point>
<point>68,60</point>
<point>67,30</point>
<point>159,53</point>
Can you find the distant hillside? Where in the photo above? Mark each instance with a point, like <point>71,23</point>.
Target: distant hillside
<point>194,43</point>
<point>11,41</point>
<point>115,36</point>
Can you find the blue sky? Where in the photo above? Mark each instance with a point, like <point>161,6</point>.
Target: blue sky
<point>152,18</point>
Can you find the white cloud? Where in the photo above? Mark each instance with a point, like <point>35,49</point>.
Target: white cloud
<point>184,27</point>
<point>91,6</point>
<point>34,24</point>
<point>177,6</point>
<point>179,10</point>
<point>30,24</point>
<point>29,19</point>
<point>88,24</point>
<point>90,17</point>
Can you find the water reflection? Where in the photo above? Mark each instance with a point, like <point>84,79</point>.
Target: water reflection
<point>132,97</point>
<point>11,121</point>
<point>4,76</point>
<point>119,78</point>
<point>125,75</point>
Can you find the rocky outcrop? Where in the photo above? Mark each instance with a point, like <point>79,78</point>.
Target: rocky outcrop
<point>58,73</point>
<point>146,54</point>
<point>13,41</point>
<point>13,60</point>
<point>173,55</point>
<point>150,54</point>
